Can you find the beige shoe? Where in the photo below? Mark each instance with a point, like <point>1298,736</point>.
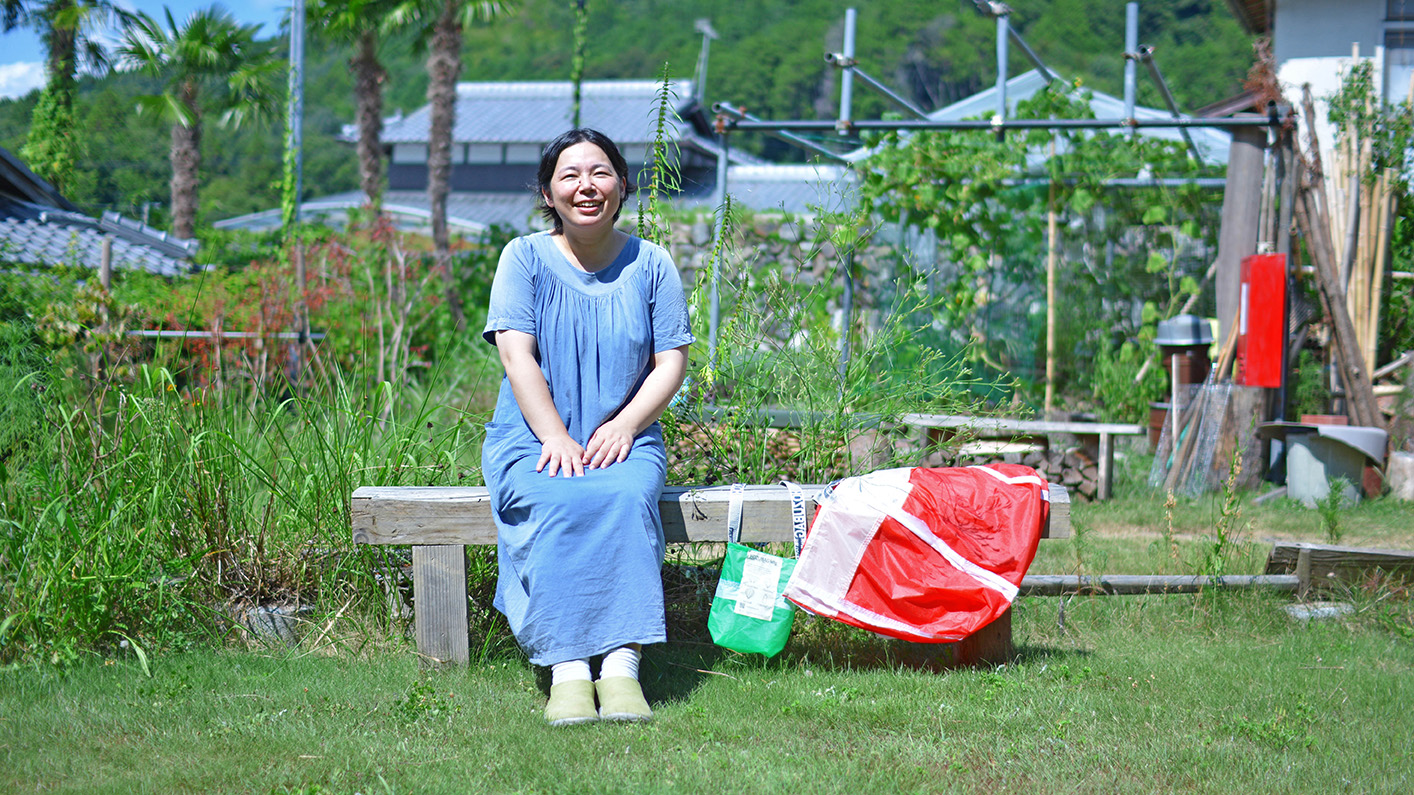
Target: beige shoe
<point>571,703</point>
<point>621,699</point>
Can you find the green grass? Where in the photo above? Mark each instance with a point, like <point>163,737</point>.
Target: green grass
<point>1146,694</point>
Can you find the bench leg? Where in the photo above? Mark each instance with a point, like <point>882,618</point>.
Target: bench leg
<point>990,645</point>
<point>1107,467</point>
<point>439,604</point>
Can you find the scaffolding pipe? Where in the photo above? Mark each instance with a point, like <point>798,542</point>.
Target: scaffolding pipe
<point>847,81</point>
<point>746,122</point>
<point>714,317</point>
<point>703,26</point>
<point>1131,43</point>
<point>1002,27</point>
<point>840,61</point>
<point>847,310</point>
<point>1146,54</point>
<point>1032,56</point>
<point>738,116</point>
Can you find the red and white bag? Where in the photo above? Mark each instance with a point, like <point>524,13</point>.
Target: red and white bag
<point>926,555</point>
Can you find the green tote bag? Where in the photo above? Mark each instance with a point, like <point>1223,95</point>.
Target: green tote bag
<point>748,612</point>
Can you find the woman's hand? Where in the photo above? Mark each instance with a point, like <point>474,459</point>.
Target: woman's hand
<point>561,454</point>
<point>610,444</point>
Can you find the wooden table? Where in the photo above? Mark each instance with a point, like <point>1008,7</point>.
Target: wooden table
<point>1003,427</point>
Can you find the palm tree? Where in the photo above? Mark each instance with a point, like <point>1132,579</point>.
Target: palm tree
<point>64,26</point>
<point>210,64</point>
<point>441,23</point>
<point>362,22</point>
<point>51,148</point>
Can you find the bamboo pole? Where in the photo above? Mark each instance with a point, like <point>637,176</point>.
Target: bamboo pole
<point>1051,227</point>
<point>1051,308</point>
<point>1377,281</point>
<point>1355,376</point>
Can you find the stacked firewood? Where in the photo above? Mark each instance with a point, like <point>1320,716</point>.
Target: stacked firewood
<point>1076,468</point>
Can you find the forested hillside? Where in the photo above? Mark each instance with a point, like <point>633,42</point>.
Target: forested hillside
<point>768,58</point>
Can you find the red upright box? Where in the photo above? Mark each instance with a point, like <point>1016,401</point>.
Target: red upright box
<point>1261,320</point>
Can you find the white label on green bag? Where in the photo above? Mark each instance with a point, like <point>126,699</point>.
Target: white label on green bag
<point>760,577</point>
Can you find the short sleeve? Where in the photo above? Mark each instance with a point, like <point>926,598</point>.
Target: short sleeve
<point>671,326</point>
<point>512,306</point>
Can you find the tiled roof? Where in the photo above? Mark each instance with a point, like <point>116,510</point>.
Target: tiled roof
<point>32,234</point>
<point>467,213</point>
<point>38,226</point>
<point>535,112</point>
<point>765,188</point>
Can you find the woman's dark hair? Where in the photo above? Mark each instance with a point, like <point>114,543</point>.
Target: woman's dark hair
<point>550,157</point>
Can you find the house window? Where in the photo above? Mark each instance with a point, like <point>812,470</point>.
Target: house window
<point>522,153</point>
<point>1399,61</point>
<point>483,153</point>
<point>1397,10</point>
<point>411,154</point>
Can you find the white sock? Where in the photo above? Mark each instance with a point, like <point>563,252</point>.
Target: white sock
<point>570,671</point>
<point>622,661</point>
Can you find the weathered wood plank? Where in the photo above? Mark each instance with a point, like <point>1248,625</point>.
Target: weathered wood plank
<point>408,515</point>
<point>439,585</point>
<point>991,426</point>
<point>1318,563</point>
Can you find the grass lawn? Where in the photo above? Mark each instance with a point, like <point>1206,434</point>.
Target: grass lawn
<point>1148,694</point>
<point>1205,693</point>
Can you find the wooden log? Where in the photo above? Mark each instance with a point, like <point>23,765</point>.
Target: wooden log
<point>1139,584</point>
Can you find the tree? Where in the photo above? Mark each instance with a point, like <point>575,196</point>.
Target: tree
<point>362,22</point>
<point>52,146</point>
<point>210,64</point>
<point>441,23</point>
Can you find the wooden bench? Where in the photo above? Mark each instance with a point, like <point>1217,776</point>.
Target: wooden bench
<point>439,522</point>
<point>1002,427</point>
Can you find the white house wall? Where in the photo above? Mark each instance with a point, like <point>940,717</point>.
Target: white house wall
<point>1323,29</point>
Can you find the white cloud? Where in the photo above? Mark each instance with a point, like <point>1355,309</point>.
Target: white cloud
<point>18,79</point>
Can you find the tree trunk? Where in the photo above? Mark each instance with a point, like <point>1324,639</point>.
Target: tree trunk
<point>443,67</point>
<point>186,163</point>
<point>369,76</point>
<point>62,43</point>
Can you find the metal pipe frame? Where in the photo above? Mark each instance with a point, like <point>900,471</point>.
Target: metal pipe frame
<point>737,116</point>
<point>1131,43</point>
<point>1146,55</point>
<point>1032,56</point>
<point>847,80</point>
<point>841,61</point>
<point>746,122</point>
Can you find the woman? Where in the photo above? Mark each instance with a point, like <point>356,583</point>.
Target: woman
<point>592,330</point>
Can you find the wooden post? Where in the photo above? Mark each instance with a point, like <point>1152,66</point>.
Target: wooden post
<point>439,588</point>
<point>301,315</point>
<point>1303,571</point>
<point>1104,490</point>
<point>105,264</point>
<point>1241,215</point>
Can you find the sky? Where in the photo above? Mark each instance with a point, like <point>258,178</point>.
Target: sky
<point>22,54</point>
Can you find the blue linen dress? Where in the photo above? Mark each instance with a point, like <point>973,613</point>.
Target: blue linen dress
<point>580,558</point>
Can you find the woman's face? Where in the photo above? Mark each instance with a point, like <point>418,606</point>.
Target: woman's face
<point>585,190</point>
